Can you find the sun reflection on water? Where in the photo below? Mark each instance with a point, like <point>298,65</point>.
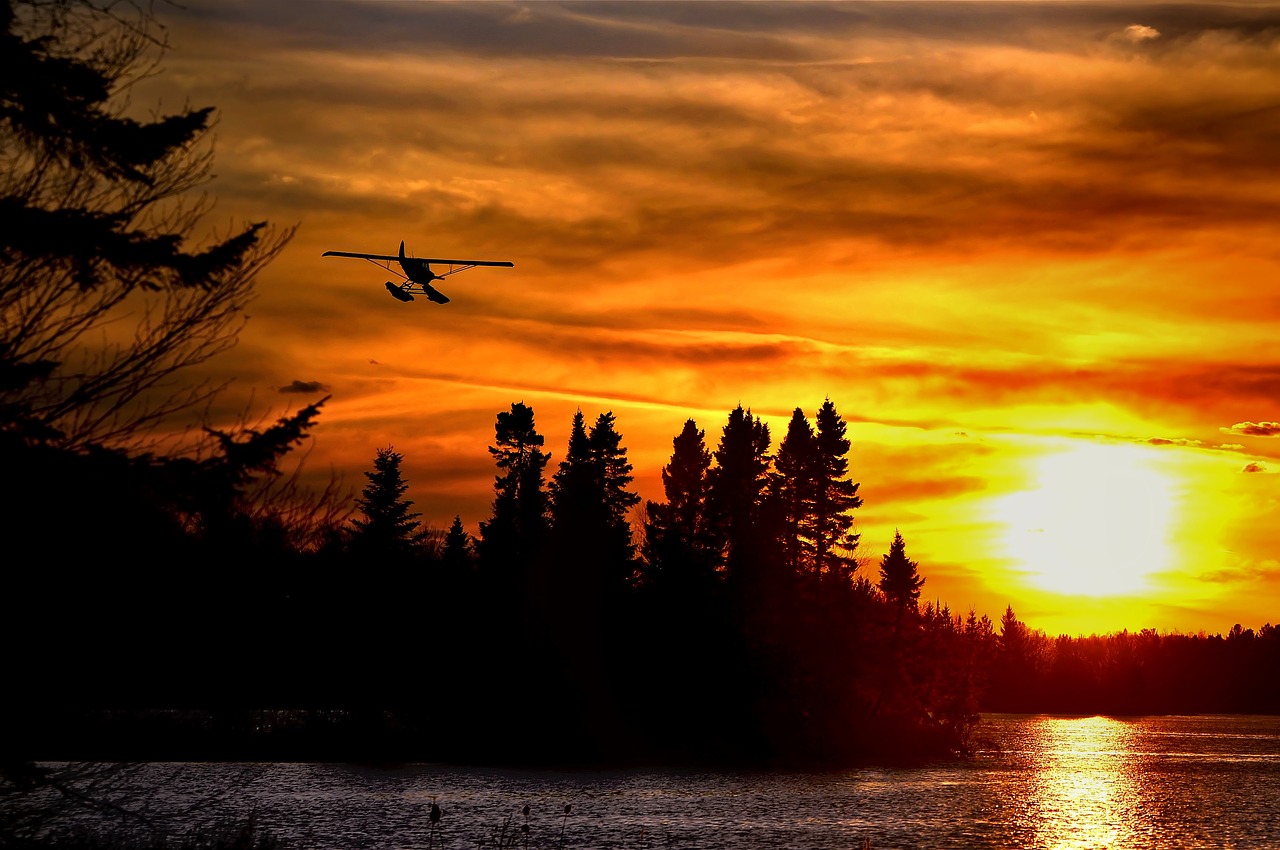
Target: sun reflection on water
<point>1085,791</point>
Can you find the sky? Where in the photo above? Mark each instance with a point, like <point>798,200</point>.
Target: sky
<point>1028,250</point>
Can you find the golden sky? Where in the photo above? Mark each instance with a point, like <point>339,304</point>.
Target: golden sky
<point>1029,250</point>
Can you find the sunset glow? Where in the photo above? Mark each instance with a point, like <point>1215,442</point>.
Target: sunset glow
<point>1096,521</point>
<point>1027,249</point>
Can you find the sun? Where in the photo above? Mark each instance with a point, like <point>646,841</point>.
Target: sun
<point>1097,521</point>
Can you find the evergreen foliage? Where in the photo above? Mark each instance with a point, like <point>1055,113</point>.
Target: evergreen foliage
<point>389,527</point>
<point>512,537</point>
<point>835,496</point>
<point>736,491</point>
<point>900,580</point>
<point>795,492</point>
<point>101,233</point>
<point>679,550</point>
<point>458,546</point>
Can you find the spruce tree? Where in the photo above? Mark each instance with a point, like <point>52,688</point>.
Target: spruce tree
<point>678,545</point>
<point>576,501</point>
<point>457,546</point>
<point>614,477</point>
<point>835,497</point>
<point>591,500</point>
<point>515,532</point>
<point>795,492</point>
<point>900,582</point>
<point>389,527</point>
<point>736,488</point>
<point>107,287</point>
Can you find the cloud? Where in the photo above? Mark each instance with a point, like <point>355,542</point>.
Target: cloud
<point>1262,570</point>
<point>1179,441</point>
<point>304,387</point>
<point>1254,467</point>
<point>1138,33</point>
<point>1254,429</point>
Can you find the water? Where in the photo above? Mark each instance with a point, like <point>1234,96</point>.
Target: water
<point>1037,782</point>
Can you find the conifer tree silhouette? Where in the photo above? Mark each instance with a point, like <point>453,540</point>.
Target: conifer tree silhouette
<point>679,547</point>
<point>736,488</point>
<point>899,579</point>
<point>835,496</point>
<point>614,478</point>
<point>101,228</point>
<point>794,488</point>
<point>457,546</point>
<point>389,527</point>
<point>513,535</point>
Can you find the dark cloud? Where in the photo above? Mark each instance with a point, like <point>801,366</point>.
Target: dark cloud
<point>304,387</point>
<point>1179,441</point>
<point>785,31</point>
<point>1254,467</point>
<point>1254,429</point>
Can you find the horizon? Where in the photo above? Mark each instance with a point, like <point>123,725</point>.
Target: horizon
<point>1025,249</point>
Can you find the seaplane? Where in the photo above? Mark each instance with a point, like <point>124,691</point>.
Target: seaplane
<point>416,273</point>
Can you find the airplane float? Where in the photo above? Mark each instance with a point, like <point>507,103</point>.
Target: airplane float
<point>416,272</point>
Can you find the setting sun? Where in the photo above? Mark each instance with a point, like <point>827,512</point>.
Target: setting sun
<point>1095,520</point>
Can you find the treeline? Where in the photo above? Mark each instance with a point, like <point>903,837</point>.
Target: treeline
<point>733,623</point>
<point>1130,673</point>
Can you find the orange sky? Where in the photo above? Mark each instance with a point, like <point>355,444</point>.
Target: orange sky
<point>1028,250</point>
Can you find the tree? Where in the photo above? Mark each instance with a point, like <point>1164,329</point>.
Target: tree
<point>591,500</point>
<point>899,580</point>
<point>457,546</point>
<point>111,291</point>
<point>614,477</point>
<point>575,496</point>
<point>389,527</point>
<point>516,530</point>
<point>107,290</point>
<point>795,490</point>
<point>835,496</point>
<point>679,548</point>
<point>736,487</point>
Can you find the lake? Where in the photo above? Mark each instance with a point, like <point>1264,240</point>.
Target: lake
<point>1036,782</point>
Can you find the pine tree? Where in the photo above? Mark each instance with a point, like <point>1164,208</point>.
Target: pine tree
<point>899,580</point>
<point>457,546</point>
<point>614,476</point>
<point>575,494</point>
<point>103,297</point>
<point>591,499</point>
<point>515,532</point>
<point>795,491</point>
<point>736,488</point>
<point>835,497</point>
<point>679,547</point>
<point>389,527</point>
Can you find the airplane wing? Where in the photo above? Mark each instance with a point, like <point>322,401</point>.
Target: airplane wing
<point>393,258</point>
<point>503,263</point>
